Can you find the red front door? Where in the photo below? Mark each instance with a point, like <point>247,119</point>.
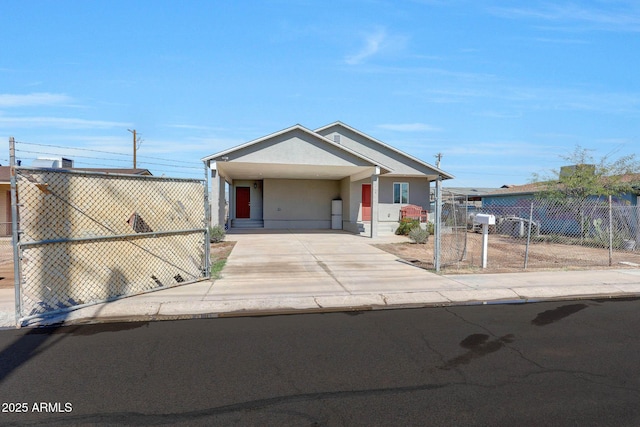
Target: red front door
<point>243,196</point>
<point>366,202</point>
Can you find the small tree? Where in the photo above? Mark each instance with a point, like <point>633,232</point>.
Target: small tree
<point>586,177</point>
<point>570,186</point>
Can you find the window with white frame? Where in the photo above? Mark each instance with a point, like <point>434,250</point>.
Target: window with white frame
<point>400,192</point>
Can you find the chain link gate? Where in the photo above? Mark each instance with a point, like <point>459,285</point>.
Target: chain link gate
<point>452,228</point>
<point>84,238</point>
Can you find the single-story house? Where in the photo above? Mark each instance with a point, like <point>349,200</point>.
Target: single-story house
<point>334,177</point>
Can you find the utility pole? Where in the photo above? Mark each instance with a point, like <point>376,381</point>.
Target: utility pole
<point>136,142</point>
<point>439,157</point>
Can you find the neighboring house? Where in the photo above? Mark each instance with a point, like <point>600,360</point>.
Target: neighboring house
<point>293,179</point>
<point>5,191</point>
<point>521,195</point>
<point>119,171</point>
<point>472,194</point>
<point>5,201</point>
<point>512,195</point>
<point>516,200</point>
<point>471,197</point>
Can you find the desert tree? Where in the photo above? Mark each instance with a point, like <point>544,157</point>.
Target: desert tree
<point>587,176</point>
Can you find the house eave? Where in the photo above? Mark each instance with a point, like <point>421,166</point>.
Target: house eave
<point>219,156</point>
<point>444,175</point>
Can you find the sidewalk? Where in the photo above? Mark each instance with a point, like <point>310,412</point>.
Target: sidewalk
<point>207,299</point>
<point>277,272</point>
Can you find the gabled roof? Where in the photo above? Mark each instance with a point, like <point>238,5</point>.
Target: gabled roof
<point>297,127</point>
<point>444,174</point>
<point>470,191</point>
<point>514,190</point>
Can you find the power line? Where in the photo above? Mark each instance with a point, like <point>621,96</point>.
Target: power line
<point>102,159</point>
<point>73,148</point>
<point>161,167</point>
<point>96,151</point>
<point>57,154</point>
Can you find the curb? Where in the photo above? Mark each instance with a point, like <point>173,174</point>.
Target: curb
<point>59,321</point>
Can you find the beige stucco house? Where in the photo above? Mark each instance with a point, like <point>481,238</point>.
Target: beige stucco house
<point>334,177</point>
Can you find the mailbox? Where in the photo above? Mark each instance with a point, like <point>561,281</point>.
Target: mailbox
<point>485,219</point>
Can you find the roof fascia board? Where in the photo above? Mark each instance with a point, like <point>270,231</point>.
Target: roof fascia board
<point>516,193</point>
<point>303,129</point>
<point>402,153</point>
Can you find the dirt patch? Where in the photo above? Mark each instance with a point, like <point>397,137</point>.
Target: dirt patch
<point>6,265</point>
<point>221,250</point>
<point>463,254</point>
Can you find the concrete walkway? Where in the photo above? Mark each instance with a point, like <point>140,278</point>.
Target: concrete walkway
<point>286,271</point>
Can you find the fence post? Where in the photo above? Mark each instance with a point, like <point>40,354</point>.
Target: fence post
<point>610,233</point>
<point>526,253</point>
<point>15,236</point>
<point>437,226</point>
<point>582,230</point>
<point>207,222</point>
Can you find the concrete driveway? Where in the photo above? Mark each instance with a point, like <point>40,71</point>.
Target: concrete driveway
<point>296,262</point>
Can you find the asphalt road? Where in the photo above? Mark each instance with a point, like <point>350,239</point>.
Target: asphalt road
<point>564,363</point>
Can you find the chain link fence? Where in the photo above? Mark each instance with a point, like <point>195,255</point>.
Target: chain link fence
<point>543,233</point>
<point>452,229</point>
<point>86,238</point>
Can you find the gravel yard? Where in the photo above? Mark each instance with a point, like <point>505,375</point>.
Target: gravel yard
<point>507,254</point>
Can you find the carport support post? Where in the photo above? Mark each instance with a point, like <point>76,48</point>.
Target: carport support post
<point>217,196</point>
<point>374,202</point>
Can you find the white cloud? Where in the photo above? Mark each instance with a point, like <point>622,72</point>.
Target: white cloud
<point>58,122</point>
<point>34,99</point>
<point>408,127</point>
<point>375,43</point>
<point>622,18</point>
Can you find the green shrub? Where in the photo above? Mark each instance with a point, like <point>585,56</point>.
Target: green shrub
<point>430,228</point>
<point>216,234</point>
<point>406,225</point>
<point>418,235</point>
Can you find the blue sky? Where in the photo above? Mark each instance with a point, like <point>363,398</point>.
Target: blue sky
<point>501,88</point>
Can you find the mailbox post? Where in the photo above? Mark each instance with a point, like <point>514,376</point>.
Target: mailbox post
<point>486,220</point>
